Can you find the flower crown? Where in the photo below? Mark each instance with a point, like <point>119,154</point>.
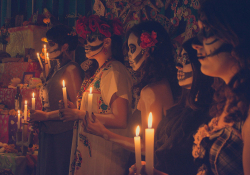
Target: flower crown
<point>147,40</point>
<point>96,26</point>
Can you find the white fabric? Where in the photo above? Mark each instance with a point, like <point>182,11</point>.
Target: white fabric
<point>95,155</point>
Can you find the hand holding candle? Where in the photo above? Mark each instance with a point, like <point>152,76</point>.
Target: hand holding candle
<point>137,141</point>
<point>90,100</point>
<point>33,102</point>
<point>64,95</point>
<point>149,146</point>
<point>25,111</point>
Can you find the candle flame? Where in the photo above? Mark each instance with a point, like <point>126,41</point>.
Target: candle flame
<point>18,112</point>
<point>25,102</point>
<point>137,130</point>
<point>37,54</point>
<point>150,119</point>
<point>44,46</point>
<point>90,90</point>
<point>63,83</point>
<point>47,55</point>
<point>33,95</point>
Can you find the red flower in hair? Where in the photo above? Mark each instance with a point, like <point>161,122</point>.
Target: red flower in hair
<point>104,29</point>
<point>81,27</point>
<point>117,27</point>
<point>148,40</point>
<point>94,21</point>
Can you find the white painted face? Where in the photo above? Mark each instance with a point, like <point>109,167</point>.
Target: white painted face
<point>93,48</point>
<point>53,50</point>
<point>136,58</point>
<point>217,58</point>
<point>185,71</point>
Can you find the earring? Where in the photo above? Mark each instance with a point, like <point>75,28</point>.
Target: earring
<point>105,51</point>
<point>142,51</point>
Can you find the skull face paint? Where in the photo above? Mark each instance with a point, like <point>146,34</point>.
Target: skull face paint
<point>135,53</point>
<point>53,49</point>
<point>93,48</point>
<point>185,72</point>
<point>217,53</point>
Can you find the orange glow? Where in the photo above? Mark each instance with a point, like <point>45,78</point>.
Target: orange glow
<point>33,95</point>
<point>63,83</point>
<point>137,130</point>
<point>150,119</point>
<point>90,90</point>
<point>25,102</point>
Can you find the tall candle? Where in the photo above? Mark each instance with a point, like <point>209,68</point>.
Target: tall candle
<point>25,111</point>
<point>18,119</point>
<point>137,141</point>
<point>33,101</point>
<point>90,100</point>
<point>64,95</point>
<point>48,60</point>
<point>149,146</point>
<point>39,59</point>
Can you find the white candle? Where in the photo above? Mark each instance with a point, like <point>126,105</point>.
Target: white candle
<point>33,101</point>
<point>90,99</point>
<point>39,59</point>
<point>18,119</point>
<point>25,111</point>
<point>149,146</point>
<point>64,95</point>
<point>48,60</point>
<point>137,141</point>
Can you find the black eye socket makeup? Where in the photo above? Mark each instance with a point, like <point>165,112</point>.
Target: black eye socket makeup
<point>93,48</point>
<point>132,48</point>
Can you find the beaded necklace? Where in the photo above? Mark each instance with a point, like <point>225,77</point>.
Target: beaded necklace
<point>87,82</point>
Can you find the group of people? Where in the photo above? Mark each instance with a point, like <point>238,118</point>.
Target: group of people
<point>201,130</point>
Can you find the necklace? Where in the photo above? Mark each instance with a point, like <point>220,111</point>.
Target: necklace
<point>87,82</point>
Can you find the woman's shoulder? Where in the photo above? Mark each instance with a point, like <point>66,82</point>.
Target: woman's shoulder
<point>160,87</point>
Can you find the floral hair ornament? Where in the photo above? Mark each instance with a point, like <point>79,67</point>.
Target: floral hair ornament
<point>147,40</point>
<point>95,26</point>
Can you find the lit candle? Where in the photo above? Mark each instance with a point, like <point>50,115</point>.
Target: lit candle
<point>18,119</point>
<point>33,101</point>
<point>90,99</point>
<point>25,111</point>
<point>48,60</point>
<point>149,144</point>
<point>39,59</point>
<point>137,141</point>
<point>64,95</point>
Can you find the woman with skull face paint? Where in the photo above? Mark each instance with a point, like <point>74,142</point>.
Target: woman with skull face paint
<point>111,101</point>
<point>224,142</point>
<point>155,62</point>
<point>174,133</point>
<point>55,137</point>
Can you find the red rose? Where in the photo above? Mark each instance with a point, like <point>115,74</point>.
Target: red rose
<point>104,29</point>
<point>81,27</point>
<point>94,21</point>
<point>117,27</point>
<point>148,40</point>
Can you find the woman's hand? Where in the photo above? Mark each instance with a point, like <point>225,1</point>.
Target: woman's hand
<point>93,125</point>
<point>69,104</point>
<point>71,114</point>
<point>38,115</point>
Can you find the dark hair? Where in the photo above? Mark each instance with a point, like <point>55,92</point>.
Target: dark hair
<point>230,21</point>
<point>201,93</point>
<point>160,64</point>
<point>61,34</point>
